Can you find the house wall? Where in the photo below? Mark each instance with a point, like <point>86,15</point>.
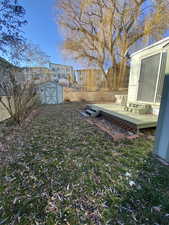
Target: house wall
<point>3,112</point>
<point>133,79</point>
<point>162,141</point>
<point>3,65</point>
<point>135,71</point>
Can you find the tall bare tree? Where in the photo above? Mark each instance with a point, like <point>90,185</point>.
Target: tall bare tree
<point>102,32</point>
<point>12,19</point>
<point>28,54</point>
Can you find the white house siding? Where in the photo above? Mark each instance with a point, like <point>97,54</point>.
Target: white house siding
<point>133,80</point>
<point>136,67</point>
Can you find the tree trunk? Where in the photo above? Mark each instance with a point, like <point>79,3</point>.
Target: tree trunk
<point>116,75</point>
<point>122,73</point>
<point>110,80</point>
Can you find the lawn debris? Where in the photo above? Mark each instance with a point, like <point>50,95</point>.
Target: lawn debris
<point>66,171</point>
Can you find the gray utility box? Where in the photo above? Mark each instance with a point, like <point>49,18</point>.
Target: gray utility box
<point>162,132</point>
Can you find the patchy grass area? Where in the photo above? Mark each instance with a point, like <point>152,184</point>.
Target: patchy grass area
<point>67,172</point>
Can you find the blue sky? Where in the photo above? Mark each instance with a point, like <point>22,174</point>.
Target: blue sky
<point>42,29</point>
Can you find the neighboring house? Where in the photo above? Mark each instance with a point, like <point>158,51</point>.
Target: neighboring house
<point>4,65</point>
<point>37,74</point>
<point>49,89</point>
<point>62,72</point>
<point>148,69</point>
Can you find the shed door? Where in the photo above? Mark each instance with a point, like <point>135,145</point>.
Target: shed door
<point>60,94</point>
<point>148,78</point>
<point>51,95</point>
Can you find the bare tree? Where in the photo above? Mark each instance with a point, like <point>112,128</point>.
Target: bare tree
<point>103,32</point>
<point>20,97</point>
<point>35,56</point>
<point>12,19</point>
<point>28,54</point>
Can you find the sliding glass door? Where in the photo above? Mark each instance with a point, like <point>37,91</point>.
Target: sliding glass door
<point>151,79</point>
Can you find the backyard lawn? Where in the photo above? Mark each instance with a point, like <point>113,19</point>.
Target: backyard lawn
<point>64,171</point>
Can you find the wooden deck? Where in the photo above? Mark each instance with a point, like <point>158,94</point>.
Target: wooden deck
<point>133,119</point>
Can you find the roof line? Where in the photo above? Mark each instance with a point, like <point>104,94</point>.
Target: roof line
<point>152,45</point>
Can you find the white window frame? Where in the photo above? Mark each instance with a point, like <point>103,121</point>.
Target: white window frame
<point>158,76</point>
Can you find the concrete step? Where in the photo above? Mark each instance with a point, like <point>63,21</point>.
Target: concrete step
<point>92,112</point>
<point>84,114</point>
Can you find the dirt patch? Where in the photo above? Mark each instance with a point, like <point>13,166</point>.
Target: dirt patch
<point>116,131</point>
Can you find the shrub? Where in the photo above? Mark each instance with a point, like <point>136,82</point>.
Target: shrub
<point>21,97</point>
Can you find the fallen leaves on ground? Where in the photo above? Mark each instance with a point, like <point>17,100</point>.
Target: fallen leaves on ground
<point>68,172</point>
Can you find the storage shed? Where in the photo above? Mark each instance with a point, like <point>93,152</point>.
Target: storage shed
<point>51,93</point>
<point>147,74</point>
